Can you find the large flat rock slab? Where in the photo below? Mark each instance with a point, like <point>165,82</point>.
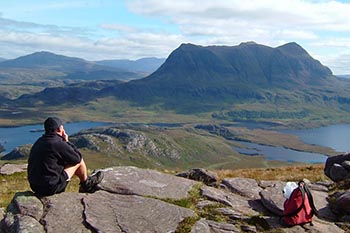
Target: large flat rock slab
<point>207,226</point>
<point>243,186</point>
<point>107,212</point>
<point>145,182</point>
<point>240,204</point>
<point>273,200</point>
<point>64,213</point>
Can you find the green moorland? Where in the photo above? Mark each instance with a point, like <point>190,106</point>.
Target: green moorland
<point>283,114</point>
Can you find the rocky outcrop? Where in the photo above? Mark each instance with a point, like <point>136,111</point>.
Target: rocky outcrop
<point>120,140</point>
<point>8,168</point>
<point>21,152</point>
<point>337,167</point>
<point>144,182</point>
<point>218,130</point>
<point>132,200</point>
<point>340,205</point>
<point>200,174</point>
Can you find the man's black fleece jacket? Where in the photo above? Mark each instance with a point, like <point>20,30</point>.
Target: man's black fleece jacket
<point>48,157</point>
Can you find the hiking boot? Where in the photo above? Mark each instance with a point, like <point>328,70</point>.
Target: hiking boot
<point>90,184</point>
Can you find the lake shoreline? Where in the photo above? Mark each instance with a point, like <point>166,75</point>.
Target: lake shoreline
<point>258,133</point>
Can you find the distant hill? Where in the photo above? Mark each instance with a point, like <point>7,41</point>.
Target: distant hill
<point>71,67</point>
<point>47,60</point>
<point>77,93</point>
<point>2,59</point>
<point>143,65</point>
<point>34,72</point>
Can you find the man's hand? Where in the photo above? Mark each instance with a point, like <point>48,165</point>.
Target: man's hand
<point>64,135</point>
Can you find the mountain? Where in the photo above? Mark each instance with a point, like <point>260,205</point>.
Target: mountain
<point>34,72</point>
<point>143,65</point>
<point>210,77</point>
<point>2,59</point>
<point>281,82</point>
<point>248,63</point>
<point>47,60</point>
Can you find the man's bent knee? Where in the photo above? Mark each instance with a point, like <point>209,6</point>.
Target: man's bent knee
<point>71,170</point>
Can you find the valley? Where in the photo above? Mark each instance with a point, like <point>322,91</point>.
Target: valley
<point>196,85</point>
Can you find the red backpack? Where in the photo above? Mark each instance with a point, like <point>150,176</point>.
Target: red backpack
<point>299,208</point>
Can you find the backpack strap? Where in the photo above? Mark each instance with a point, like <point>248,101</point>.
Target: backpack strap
<point>301,188</point>
<point>311,199</point>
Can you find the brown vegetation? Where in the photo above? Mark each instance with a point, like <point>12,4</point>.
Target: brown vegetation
<point>286,173</point>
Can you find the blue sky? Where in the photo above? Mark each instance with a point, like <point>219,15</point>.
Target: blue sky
<point>132,29</point>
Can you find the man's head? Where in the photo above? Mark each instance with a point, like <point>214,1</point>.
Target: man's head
<point>52,124</point>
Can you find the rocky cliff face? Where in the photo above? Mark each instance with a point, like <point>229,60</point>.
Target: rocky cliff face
<point>131,199</point>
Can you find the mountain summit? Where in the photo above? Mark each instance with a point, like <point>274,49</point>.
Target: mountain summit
<point>248,63</point>
<point>215,75</point>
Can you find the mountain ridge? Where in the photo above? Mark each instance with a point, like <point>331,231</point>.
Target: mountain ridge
<point>197,78</point>
<point>226,74</point>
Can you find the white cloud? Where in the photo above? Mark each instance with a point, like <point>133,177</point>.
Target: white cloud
<point>339,63</point>
<point>118,27</point>
<point>268,13</point>
<point>315,25</point>
<point>271,22</point>
<point>131,46</point>
<point>334,43</point>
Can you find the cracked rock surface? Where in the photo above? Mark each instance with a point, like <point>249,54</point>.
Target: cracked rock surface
<point>141,200</point>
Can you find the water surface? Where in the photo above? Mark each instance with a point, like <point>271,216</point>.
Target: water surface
<point>336,137</point>
<point>280,153</point>
<point>12,137</point>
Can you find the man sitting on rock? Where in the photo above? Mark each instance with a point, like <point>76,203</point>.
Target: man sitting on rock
<point>53,161</point>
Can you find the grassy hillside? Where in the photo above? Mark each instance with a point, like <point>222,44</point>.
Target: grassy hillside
<point>110,109</point>
<point>174,148</point>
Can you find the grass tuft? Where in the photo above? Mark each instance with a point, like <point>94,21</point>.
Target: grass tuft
<point>10,185</point>
<point>186,225</point>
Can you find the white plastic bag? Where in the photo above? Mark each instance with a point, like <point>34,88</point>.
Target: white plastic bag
<point>288,189</point>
